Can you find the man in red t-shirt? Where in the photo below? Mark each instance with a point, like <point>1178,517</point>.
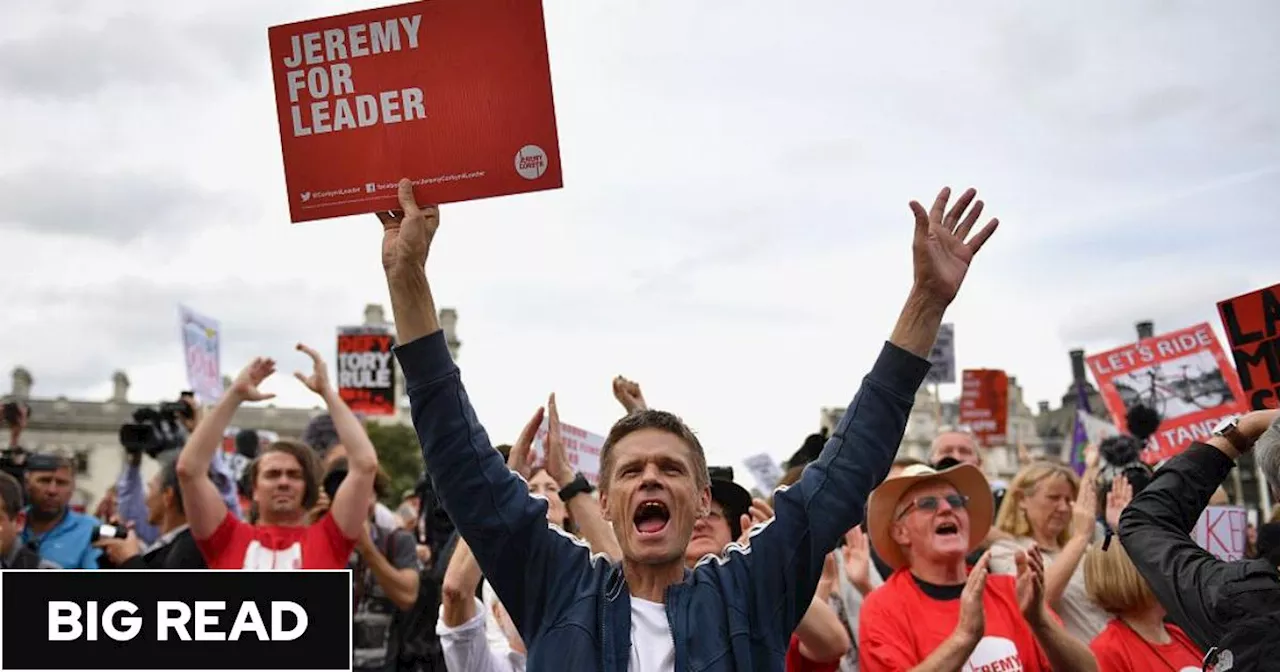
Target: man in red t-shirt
<point>285,482</point>
<point>933,612</point>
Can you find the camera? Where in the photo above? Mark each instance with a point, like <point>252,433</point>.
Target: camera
<point>108,532</point>
<point>156,430</point>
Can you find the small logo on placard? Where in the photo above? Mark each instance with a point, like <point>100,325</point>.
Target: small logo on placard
<point>531,162</point>
<point>306,196</point>
<point>370,187</point>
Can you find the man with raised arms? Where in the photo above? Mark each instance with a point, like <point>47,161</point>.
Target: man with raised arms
<point>576,611</point>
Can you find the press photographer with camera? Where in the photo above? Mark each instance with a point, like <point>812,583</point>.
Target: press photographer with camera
<point>160,434</point>
<point>13,457</point>
<point>175,548</point>
<point>53,530</point>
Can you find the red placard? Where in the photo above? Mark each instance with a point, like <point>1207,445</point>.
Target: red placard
<point>453,94</point>
<point>1184,375</point>
<point>1252,322</point>
<point>984,405</point>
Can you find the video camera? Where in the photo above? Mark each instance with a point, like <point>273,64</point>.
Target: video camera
<point>156,430</point>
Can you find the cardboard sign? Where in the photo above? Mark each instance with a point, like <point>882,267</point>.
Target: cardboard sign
<point>942,358</point>
<point>1221,531</point>
<point>1184,375</point>
<point>453,94</point>
<point>984,405</point>
<point>176,620</point>
<point>1252,322</point>
<point>582,448</point>
<point>202,346</point>
<point>366,370</point>
<point>765,470</point>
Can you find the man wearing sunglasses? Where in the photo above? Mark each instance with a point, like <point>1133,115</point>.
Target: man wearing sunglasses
<point>935,612</point>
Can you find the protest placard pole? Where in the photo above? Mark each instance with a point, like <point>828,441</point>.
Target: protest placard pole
<point>1264,490</point>
<point>937,405</point>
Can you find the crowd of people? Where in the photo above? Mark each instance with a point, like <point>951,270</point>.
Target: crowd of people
<point>859,560</point>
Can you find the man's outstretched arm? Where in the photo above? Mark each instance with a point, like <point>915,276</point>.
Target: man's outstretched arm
<point>523,558</point>
<point>787,553</point>
<point>200,497</point>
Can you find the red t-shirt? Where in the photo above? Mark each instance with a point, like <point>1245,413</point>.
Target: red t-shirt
<point>900,626</point>
<point>239,545</point>
<point>1119,649</point>
<point>796,662</point>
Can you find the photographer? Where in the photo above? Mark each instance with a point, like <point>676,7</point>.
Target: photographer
<point>175,548</point>
<point>161,434</point>
<point>13,457</point>
<point>1230,609</point>
<point>57,533</point>
<point>13,554</point>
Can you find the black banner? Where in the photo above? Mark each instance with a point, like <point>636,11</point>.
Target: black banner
<point>366,370</point>
<point>175,620</point>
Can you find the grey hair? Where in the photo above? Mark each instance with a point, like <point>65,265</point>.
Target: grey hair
<point>1266,454</point>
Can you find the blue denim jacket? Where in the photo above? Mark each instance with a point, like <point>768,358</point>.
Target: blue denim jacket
<point>573,608</point>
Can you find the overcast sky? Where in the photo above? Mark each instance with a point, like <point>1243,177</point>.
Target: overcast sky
<point>733,231</point>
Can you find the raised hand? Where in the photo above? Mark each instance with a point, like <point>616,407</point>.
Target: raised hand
<point>518,459</point>
<point>245,385</point>
<point>558,466</point>
<point>940,253</point>
<point>1084,513</point>
<point>628,394</point>
<point>830,579</point>
<point>318,381</point>
<point>760,511</point>
<point>1030,584</point>
<point>1119,497</point>
<point>407,232</point>
<point>973,622</point>
<point>857,559</point>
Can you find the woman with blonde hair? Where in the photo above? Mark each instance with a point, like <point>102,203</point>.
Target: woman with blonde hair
<point>1138,638</point>
<point>1048,506</point>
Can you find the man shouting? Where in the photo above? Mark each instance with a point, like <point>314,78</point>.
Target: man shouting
<point>576,611</point>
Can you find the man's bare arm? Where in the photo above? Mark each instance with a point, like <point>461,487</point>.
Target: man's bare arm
<point>406,238</point>
<point>201,500</point>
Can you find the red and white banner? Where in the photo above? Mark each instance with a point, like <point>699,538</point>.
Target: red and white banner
<point>581,447</point>
<point>984,405</point>
<point>1221,531</point>
<point>1183,375</point>
<point>453,94</point>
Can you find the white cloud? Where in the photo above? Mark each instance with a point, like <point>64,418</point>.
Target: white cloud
<point>733,231</point>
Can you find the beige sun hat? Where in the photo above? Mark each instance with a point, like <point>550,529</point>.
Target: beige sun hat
<point>965,478</point>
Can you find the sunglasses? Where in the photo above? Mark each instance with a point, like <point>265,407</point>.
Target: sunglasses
<point>931,502</point>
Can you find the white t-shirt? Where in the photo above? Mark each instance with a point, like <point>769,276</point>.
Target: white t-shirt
<point>652,648</point>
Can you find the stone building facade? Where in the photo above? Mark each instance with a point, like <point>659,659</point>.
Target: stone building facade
<point>88,431</point>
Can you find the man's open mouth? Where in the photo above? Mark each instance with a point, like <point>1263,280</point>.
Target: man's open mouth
<point>946,529</point>
<point>651,517</point>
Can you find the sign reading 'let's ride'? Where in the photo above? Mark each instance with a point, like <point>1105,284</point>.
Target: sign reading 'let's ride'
<point>453,94</point>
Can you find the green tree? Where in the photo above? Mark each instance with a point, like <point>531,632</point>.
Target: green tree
<point>399,455</point>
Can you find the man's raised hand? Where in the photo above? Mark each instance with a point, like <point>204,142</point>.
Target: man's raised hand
<point>407,233</point>
<point>518,458</point>
<point>557,461</point>
<point>628,394</point>
<point>318,381</point>
<point>245,385</point>
<point>940,251</point>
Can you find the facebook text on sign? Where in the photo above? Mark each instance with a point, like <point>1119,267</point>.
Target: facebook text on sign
<point>453,94</point>
<point>175,620</point>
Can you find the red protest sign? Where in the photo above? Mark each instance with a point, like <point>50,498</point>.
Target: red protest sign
<point>366,372</point>
<point>1252,322</point>
<point>1183,375</point>
<point>984,405</point>
<point>453,94</point>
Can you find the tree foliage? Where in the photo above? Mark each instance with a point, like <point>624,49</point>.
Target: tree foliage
<point>398,454</point>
